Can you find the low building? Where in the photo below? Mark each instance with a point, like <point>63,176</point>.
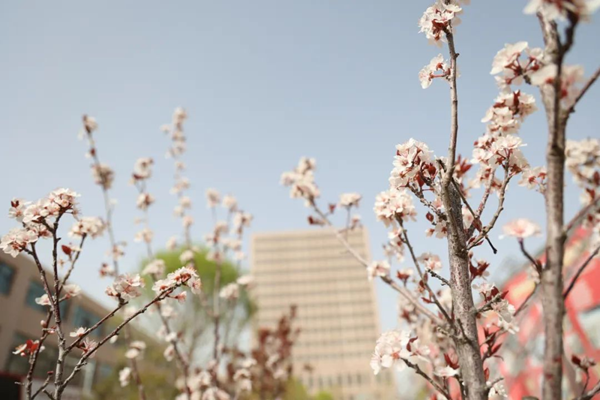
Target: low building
<point>20,285</point>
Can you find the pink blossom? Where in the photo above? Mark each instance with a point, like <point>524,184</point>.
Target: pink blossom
<point>79,332</point>
<point>89,123</point>
<point>89,226</point>
<point>213,198</point>
<point>136,348</point>
<point>230,291</point>
<point>378,268</point>
<point>559,9</point>
<point>144,201</point>
<point>103,175</point>
<point>17,240</point>
<point>230,203</point>
<point>437,19</point>
<point>428,72</point>
<point>430,261</point>
<point>154,267</point>
<point>124,376</point>
<point>394,204</point>
<point>348,200</point>
<point>143,168</point>
<point>71,290</point>
<point>521,228</point>
<point>43,300</point>
<point>446,372</point>
<point>17,209</point>
<point>413,160</point>
<point>126,287</point>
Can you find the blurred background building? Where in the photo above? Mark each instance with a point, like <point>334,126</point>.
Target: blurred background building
<point>20,285</point>
<point>337,310</point>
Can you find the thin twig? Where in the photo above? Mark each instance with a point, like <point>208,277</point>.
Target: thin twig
<point>429,379</point>
<point>403,291</point>
<point>580,271</point>
<point>420,271</point>
<point>583,91</point>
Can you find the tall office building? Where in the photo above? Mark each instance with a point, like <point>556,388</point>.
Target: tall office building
<point>337,310</point>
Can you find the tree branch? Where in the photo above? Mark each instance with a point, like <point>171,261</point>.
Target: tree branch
<point>580,271</point>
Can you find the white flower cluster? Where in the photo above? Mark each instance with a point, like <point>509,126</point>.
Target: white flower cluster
<point>560,9</point>
<point>394,204</point>
<point>348,200</point>
<point>103,175</point>
<point>36,218</point>
<point>393,347</point>
<point>88,226</point>
<point>302,180</point>
<point>428,72</point>
<point>126,287</point>
<point>439,19</point>
<point>183,276</point>
<point>521,228</point>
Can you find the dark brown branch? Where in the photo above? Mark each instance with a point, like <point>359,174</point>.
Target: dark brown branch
<point>584,90</point>
<point>402,290</point>
<point>420,271</point>
<point>580,271</point>
<point>429,379</point>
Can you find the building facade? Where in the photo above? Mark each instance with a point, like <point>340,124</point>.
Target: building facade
<point>20,320</point>
<point>337,311</point>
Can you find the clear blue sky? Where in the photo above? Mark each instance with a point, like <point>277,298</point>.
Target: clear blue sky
<point>264,82</point>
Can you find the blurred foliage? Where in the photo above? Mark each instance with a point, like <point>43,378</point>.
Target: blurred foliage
<point>206,270</point>
<point>157,375</point>
<point>294,390</point>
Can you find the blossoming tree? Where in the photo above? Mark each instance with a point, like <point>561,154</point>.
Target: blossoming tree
<point>453,337</point>
<point>231,371</point>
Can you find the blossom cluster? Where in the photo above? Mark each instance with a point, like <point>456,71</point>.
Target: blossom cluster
<point>438,20</point>
<point>301,180</point>
<point>394,347</point>
<point>561,9</point>
<point>37,219</point>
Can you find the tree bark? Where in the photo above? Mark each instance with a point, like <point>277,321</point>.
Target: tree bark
<point>467,341</point>
<point>552,278</point>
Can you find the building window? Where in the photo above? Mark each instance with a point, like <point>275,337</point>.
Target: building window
<point>7,274</point>
<point>102,372</point>
<point>37,290</point>
<point>86,319</point>
<point>16,364</point>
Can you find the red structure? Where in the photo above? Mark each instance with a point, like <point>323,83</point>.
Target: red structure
<point>522,353</point>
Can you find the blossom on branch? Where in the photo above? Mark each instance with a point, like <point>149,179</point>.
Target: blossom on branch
<point>17,240</point>
<point>521,228</point>
<point>302,181</point>
<point>88,226</point>
<point>349,200</point>
<point>103,175</point>
<point>439,19</point>
<point>428,72</point>
<point>394,204</point>
<point>413,163</point>
<point>395,346</point>
<point>126,287</point>
<point>561,9</point>
<point>378,268</point>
